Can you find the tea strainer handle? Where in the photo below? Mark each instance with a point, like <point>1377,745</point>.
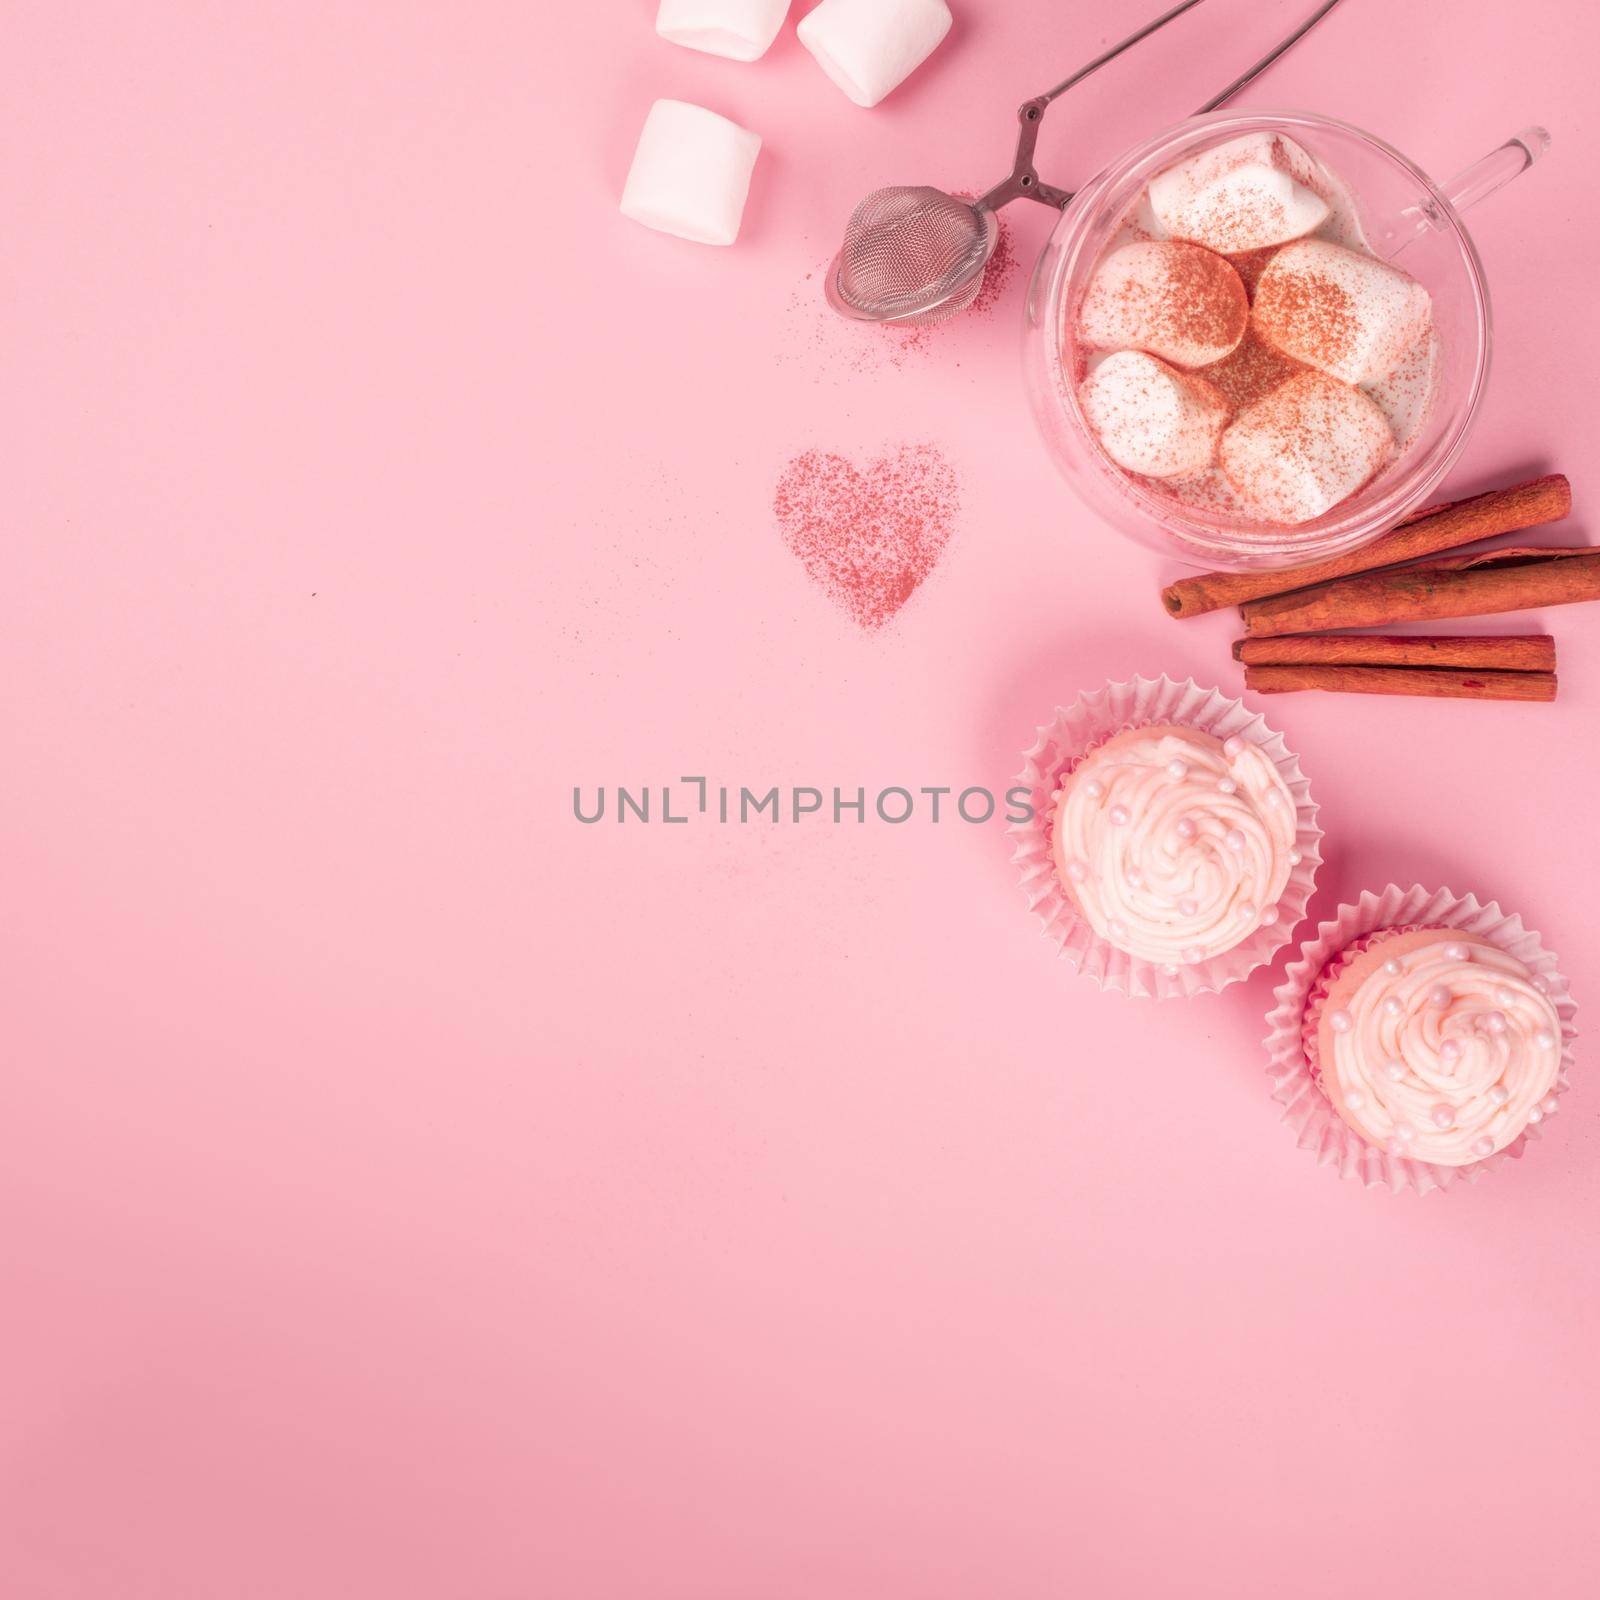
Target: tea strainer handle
<point>1024,182</point>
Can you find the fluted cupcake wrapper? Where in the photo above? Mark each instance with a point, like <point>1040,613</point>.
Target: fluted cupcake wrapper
<point>1317,1126</point>
<point>1095,716</point>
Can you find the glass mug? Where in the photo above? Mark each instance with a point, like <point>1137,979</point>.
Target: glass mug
<point>1402,212</point>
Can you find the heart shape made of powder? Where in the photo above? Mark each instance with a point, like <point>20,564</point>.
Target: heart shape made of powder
<point>868,537</point>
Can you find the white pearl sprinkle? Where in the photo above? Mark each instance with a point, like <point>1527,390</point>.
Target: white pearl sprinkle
<point>1456,952</point>
<point>1483,1147</point>
<point>1247,912</point>
<point>1227,786</point>
<point>1450,1050</point>
<point>1186,828</point>
<point>1498,1094</point>
<point>1118,815</point>
<point>1392,967</point>
<point>1395,1148</point>
<point>1295,858</point>
<point>1404,1132</point>
<point>1077,871</point>
<point>1439,996</point>
<point>1234,840</point>
<point>1272,799</point>
<point>1442,1116</point>
<point>1232,747</point>
<point>1494,1022</point>
<point>1169,970</point>
<point>1392,1007</point>
<point>1193,954</point>
<point>1504,997</point>
<point>1535,1114</point>
<point>1178,770</point>
<point>1550,1105</point>
<point>1094,788</point>
<point>1117,930</point>
<point>1396,1071</point>
<point>1269,917</point>
<point>1545,1040</point>
<point>1340,1021</point>
<point>1354,1100</point>
<point>1135,878</point>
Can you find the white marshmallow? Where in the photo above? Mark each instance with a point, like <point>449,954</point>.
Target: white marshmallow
<point>1304,447</point>
<point>868,47</point>
<point>741,30</point>
<point>1175,300</point>
<point>1249,193</point>
<point>1406,396</point>
<point>1349,314</point>
<point>690,173</point>
<point>1150,418</point>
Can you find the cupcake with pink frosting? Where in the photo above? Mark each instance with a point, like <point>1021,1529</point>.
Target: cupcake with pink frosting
<point>1173,841</point>
<point>1421,1037</point>
<point>1176,845</point>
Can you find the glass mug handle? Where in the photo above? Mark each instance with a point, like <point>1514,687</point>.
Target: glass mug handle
<point>1468,187</point>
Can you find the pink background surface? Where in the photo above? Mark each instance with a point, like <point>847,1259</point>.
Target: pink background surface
<point>411,1193</point>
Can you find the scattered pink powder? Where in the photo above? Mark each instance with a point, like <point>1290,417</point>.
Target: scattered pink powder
<point>868,537</point>
<point>863,348</point>
<point>999,273</point>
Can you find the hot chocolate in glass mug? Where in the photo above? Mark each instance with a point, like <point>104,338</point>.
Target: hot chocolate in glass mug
<point>1254,340</point>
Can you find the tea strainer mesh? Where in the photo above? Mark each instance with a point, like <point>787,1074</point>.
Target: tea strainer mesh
<point>912,255</point>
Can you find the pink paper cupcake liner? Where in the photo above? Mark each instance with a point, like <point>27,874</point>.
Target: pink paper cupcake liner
<point>1098,715</point>
<point>1295,1085</point>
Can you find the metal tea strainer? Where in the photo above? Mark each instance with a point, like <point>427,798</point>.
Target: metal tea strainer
<point>914,255</point>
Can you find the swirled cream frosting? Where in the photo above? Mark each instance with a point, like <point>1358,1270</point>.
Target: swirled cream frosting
<point>1175,845</point>
<point>1438,1046</point>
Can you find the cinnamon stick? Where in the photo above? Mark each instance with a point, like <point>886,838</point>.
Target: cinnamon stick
<point>1521,652</point>
<point>1433,683</point>
<point>1466,586</point>
<point>1424,533</point>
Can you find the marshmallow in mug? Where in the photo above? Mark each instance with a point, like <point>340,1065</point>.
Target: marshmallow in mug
<point>1258,190</point>
<point>1341,310</point>
<point>1303,447</point>
<point>741,30</point>
<point>1151,418</point>
<point>1175,300</point>
<point>690,173</point>
<point>869,47</point>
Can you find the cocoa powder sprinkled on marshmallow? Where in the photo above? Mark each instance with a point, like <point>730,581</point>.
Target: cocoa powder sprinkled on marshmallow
<point>1177,301</point>
<point>1219,198</point>
<point>1316,315</point>
<point>1253,370</point>
<point>1341,310</point>
<point>1201,303</point>
<point>1304,447</point>
<point>1152,418</point>
<point>1250,264</point>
